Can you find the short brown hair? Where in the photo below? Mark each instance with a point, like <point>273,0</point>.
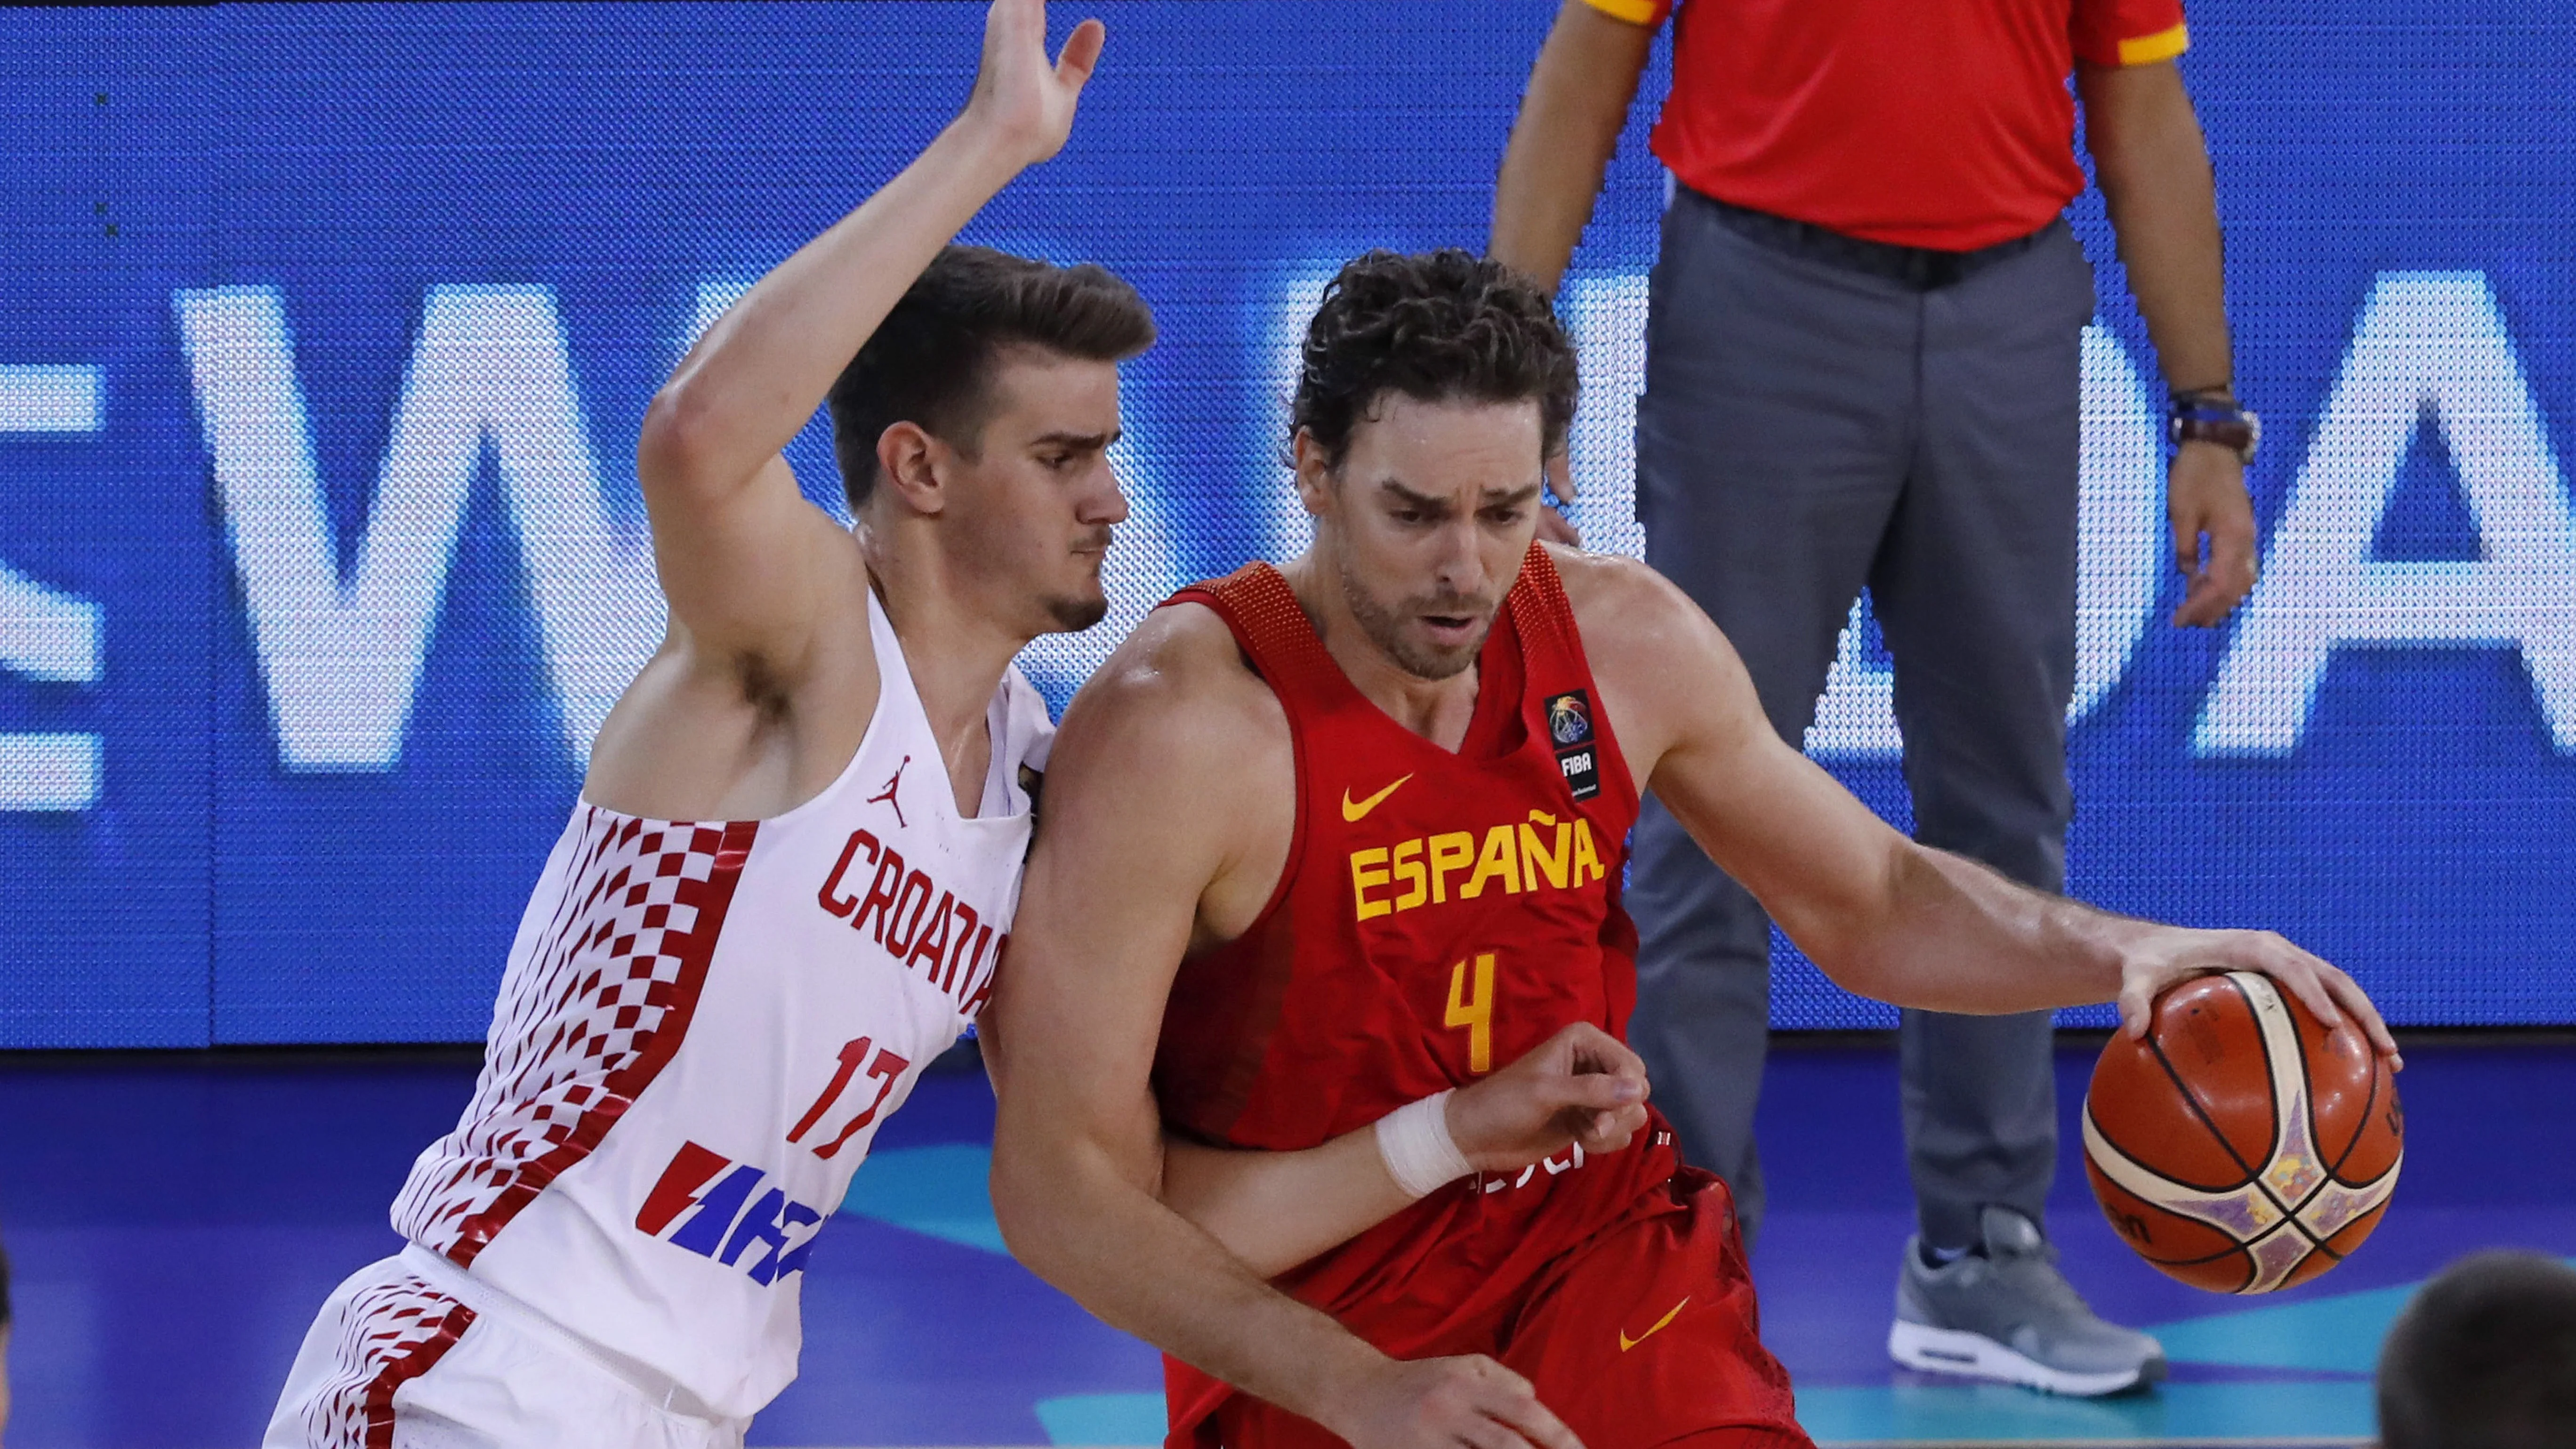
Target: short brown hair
<point>931,361</point>
<point>1440,327</point>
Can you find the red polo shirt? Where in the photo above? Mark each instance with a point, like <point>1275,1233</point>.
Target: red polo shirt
<point>1926,123</point>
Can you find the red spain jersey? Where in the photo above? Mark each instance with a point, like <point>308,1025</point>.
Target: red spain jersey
<point>1441,914</point>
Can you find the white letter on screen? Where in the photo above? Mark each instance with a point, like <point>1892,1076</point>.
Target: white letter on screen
<point>47,634</point>
<point>2428,342</point>
<point>342,659</point>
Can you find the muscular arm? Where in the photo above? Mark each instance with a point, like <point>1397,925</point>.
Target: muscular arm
<point>1569,124</point>
<point>1140,819</point>
<point>1155,796</point>
<point>1881,915</point>
<point>2153,165</point>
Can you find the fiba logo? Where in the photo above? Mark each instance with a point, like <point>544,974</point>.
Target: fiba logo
<point>1569,719</point>
<point>1569,725</point>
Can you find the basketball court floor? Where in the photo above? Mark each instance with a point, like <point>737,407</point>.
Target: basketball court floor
<point>175,1220</point>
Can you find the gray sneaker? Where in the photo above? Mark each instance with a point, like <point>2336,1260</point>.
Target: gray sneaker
<point>2007,1314</point>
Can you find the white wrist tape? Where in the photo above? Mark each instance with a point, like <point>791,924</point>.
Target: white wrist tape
<point>1420,1154</point>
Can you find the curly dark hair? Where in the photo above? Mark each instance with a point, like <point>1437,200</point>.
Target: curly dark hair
<point>1439,327</point>
<point>931,360</point>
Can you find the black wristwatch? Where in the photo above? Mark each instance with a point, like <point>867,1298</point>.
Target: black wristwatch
<point>2214,417</point>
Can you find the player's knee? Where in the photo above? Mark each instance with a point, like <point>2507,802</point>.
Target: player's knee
<point>2484,1355</point>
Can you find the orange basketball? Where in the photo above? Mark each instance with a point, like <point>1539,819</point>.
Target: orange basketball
<point>2240,1147</point>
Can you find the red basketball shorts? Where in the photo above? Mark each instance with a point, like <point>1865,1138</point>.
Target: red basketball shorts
<point>1643,1335</point>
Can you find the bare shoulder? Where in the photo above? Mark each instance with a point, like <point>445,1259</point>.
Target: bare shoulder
<point>1175,776</point>
<point>1663,668</point>
<point>1177,699</point>
<point>1628,613</point>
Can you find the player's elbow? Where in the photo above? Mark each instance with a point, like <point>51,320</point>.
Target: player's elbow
<point>1861,938</point>
<point>681,439</point>
<point>1045,1184</point>
<point>1017,1183</point>
<point>1853,956</point>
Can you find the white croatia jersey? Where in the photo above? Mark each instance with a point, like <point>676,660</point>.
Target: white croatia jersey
<point>702,1027</point>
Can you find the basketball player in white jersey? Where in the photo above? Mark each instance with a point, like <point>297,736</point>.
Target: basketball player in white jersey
<point>798,849</point>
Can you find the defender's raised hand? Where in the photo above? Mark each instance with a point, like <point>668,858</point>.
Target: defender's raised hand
<point>1022,101</point>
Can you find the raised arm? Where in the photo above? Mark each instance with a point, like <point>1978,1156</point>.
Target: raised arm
<point>740,551</point>
<point>1881,915</point>
<point>1154,801</point>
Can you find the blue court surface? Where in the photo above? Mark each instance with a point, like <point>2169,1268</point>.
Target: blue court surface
<point>176,1219</point>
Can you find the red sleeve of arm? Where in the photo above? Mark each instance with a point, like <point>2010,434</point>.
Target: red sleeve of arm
<point>2126,32</point>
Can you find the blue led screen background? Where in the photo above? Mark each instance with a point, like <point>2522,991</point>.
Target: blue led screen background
<point>327,329</point>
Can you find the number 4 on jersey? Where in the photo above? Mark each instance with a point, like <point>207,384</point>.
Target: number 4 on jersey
<point>884,1069</point>
<point>1475,1013</point>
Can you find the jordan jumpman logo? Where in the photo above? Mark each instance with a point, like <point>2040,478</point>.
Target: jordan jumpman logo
<point>887,794</point>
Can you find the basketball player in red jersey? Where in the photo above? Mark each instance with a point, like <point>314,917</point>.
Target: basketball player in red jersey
<point>1328,840</point>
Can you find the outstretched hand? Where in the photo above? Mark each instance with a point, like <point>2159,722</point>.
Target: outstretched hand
<point>1581,1086</point>
<point>1023,101</point>
<point>2171,955</point>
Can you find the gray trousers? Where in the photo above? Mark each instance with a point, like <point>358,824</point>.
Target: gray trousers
<point>1810,427</point>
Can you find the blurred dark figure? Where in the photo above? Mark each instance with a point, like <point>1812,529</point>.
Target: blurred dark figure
<point>2484,1358</point>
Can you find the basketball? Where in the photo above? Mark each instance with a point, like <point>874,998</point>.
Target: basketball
<point>2240,1147</point>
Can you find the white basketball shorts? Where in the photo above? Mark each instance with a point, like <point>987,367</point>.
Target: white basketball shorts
<point>410,1353</point>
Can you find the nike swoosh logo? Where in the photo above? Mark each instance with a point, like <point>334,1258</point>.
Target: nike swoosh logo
<point>1352,814</point>
<point>1626,1343</point>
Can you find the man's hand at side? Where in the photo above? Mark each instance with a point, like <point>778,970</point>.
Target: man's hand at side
<point>2153,165</point>
<point>2205,498</point>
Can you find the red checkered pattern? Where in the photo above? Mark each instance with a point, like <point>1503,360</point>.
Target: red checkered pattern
<point>392,1333</point>
<point>585,1021</point>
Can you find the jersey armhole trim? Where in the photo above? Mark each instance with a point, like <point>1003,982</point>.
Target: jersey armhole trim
<point>1546,603</point>
<point>1220,598</point>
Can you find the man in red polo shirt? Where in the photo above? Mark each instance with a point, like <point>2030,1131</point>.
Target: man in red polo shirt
<point>1862,370</point>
